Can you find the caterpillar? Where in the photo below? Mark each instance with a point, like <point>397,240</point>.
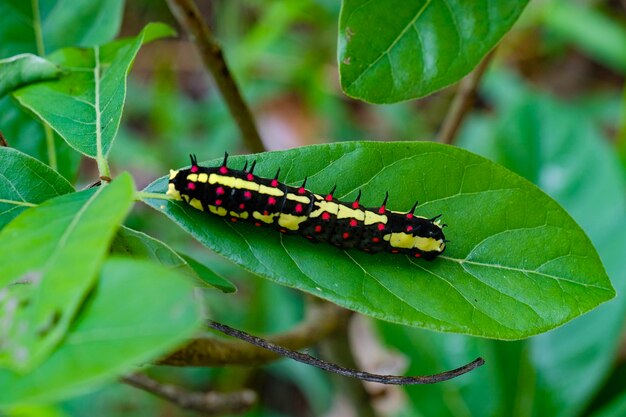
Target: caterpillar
<point>241,195</point>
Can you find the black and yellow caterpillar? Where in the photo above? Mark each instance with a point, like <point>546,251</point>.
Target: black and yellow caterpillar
<point>239,194</point>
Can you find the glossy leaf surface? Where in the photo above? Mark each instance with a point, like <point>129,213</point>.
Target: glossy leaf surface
<point>397,50</point>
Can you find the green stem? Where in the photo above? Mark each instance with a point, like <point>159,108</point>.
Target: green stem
<point>103,164</point>
<point>41,51</point>
<point>143,195</point>
<point>17,203</point>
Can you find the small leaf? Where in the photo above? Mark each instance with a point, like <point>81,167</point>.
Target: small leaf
<point>55,250</point>
<point>391,51</point>
<point>85,105</point>
<point>135,244</point>
<point>24,69</point>
<point>209,276</point>
<point>517,264</point>
<point>137,312</point>
<point>26,182</point>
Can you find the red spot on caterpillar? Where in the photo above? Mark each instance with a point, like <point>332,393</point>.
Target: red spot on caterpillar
<point>409,228</point>
<point>376,239</point>
<point>381,210</point>
<point>271,201</point>
<point>381,226</point>
<point>353,223</point>
<point>418,255</point>
<point>250,177</point>
<point>266,213</point>
<point>191,186</point>
<point>242,206</point>
<point>247,195</point>
<point>355,205</point>
<point>394,251</point>
<point>345,235</point>
<point>298,208</point>
<point>318,228</point>
<point>409,215</point>
<point>219,190</point>
<point>274,183</point>
<point>233,219</point>
<point>194,169</point>
<point>223,170</point>
<point>257,224</point>
<point>329,197</point>
<point>325,216</point>
<point>218,202</point>
<point>301,190</point>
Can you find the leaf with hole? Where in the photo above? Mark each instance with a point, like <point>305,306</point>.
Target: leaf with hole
<point>138,311</point>
<point>517,263</point>
<point>56,250</point>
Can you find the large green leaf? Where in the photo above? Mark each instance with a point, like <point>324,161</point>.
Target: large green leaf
<point>137,312</point>
<point>559,148</point>
<point>397,50</point>
<point>85,105</point>
<point>55,251</point>
<point>25,182</point>
<point>61,23</point>
<point>24,69</point>
<point>517,265</point>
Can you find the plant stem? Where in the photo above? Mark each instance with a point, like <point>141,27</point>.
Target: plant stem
<point>189,17</point>
<point>41,51</point>
<point>463,101</point>
<point>208,403</point>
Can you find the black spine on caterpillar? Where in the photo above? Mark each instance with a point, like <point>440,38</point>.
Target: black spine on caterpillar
<point>241,195</point>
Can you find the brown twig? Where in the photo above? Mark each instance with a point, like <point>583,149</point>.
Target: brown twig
<point>209,403</point>
<point>189,17</point>
<point>3,141</point>
<point>322,320</point>
<point>463,101</point>
<point>353,373</point>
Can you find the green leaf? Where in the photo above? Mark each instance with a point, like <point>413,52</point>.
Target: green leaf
<point>24,69</point>
<point>137,312</point>
<point>26,134</point>
<point>85,105</point>
<point>517,265</point>
<point>391,51</point>
<point>135,244</point>
<point>209,276</point>
<point>559,148</point>
<point>56,250</point>
<point>81,23</point>
<point>25,182</point>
